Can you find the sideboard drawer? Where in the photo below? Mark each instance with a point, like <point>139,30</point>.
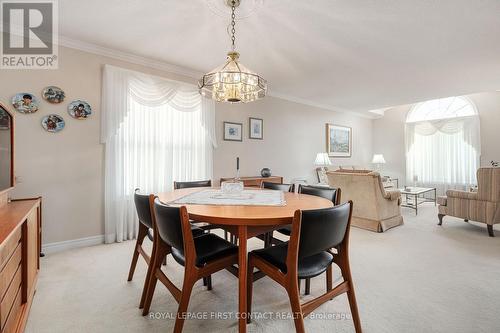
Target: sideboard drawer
<point>13,318</point>
<point>10,297</point>
<point>8,247</point>
<point>9,270</point>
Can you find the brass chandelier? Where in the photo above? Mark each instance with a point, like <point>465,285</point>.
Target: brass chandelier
<point>233,82</point>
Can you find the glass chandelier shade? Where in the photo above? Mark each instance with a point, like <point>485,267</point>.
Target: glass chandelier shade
<point>232,82</point>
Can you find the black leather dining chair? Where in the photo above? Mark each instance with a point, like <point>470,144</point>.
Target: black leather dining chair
<point>198,183</point>
<point>203,183</point>
<point>308,254</point>
<point>268,236</point>
<point>278,186</point>
<point>326,192</point>
<point>144,213</point>
<point>201,256</point>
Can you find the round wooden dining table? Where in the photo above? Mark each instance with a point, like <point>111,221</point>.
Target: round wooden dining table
<point>246,222</point>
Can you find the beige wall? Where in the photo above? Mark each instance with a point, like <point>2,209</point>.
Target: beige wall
<point>293,135</point>
<point>389,135</point>
<point>67,168</point>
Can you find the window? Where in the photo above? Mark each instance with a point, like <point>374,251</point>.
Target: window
<point>443,144</point>
<point>155,131</point>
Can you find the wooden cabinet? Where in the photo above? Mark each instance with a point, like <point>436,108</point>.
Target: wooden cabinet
<point>256,181</point>
<point>19,261</point>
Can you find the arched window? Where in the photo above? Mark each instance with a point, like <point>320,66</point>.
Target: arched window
<point>443,144</point>
<point>443,108</point>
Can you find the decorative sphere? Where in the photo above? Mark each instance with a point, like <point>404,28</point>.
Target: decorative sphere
<point>266,172</point>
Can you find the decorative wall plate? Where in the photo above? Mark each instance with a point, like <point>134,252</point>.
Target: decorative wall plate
<point>25,103</point>
<point>53,123</point>
<point>79,109</point>
<point>53,94</point>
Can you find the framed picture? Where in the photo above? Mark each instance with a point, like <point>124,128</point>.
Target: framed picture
<point>338,140</point>
<point>255,128</point>
<point>233,131</point>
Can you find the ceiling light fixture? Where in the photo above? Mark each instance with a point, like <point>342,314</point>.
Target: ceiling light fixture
<point>233,82</point>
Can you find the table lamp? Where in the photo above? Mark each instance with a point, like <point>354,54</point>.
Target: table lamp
<point>322,160</point>
<point>378,159</point>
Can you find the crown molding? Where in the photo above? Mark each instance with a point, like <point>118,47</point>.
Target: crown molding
<point>184,71</point>
<point>128,57</point>
<point>307,102</point>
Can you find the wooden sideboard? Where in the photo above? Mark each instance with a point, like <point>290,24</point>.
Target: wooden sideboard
<point>20,245</point>
<point>256,181</point>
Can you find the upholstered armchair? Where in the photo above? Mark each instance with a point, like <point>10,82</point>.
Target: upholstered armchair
<point>481,206</point>
<point>375,208</point>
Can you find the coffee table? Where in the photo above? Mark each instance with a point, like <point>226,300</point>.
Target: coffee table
<point>414,196</point>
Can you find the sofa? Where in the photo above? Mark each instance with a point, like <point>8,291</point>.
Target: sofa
<point>374,207</point>
<point>482,205</point>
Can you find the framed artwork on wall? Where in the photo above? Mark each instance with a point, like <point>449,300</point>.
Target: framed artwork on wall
<point>256,128</point>
<point>338,140</point>
<point>233,131</point>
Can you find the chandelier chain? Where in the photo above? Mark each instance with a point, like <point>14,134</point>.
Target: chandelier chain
<point>233,23</point>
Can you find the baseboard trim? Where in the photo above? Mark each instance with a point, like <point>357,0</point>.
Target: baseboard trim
<point>72,244</point>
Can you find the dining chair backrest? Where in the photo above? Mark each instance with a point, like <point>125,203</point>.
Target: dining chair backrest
<point>143,209</point>
<point>169,224</point>
<point>326,192</point>
<point>199,183</point>
<point>323,229</point>
<point>279,187</point>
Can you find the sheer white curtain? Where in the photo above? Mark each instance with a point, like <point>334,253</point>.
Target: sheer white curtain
<point>155,131</point>
<point>443,153</point>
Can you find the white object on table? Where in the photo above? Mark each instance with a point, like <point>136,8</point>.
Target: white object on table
<point>243,198</point>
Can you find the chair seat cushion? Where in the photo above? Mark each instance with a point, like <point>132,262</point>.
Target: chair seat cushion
<point>442,200</point>
<point>308,267</point>
<point>286,230</point>
<point>209,247</point>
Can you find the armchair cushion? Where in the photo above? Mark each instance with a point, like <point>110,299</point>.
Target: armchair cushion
<point>462,194</point>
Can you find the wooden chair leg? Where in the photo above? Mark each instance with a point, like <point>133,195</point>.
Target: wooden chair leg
<point>298,318</point>
<point>153,279</point>
<point>209,282</point>
<point>187,287</point>
<point>329,278</point>
<point>249,288</point>
<point>308,287</point>
<point>351,296</point>
<point>143,231</point>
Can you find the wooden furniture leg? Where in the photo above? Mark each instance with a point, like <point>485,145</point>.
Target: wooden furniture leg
<point>143,231</point>
<point>242,267</point>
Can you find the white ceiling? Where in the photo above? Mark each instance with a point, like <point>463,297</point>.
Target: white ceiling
<point>341,54</point>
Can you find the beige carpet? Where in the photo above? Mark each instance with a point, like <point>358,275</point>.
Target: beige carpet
<point>415,278</point>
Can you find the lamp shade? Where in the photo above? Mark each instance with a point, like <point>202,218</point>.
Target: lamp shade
<point>322,159</point>
<point>378,159</point>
